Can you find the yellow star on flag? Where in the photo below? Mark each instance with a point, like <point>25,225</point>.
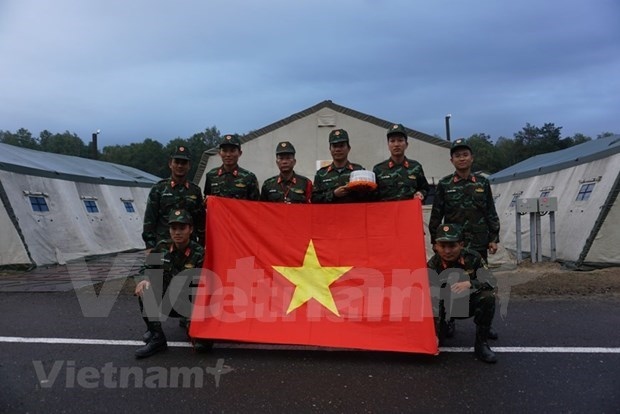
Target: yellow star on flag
<point>312,280</point>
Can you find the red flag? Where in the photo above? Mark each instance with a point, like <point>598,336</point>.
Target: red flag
<point>337,275</point>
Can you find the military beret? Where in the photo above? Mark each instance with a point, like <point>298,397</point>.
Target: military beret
<point>397,129</point>
<point>180,216</point>
<point>285,147</point>
<point>182,153</point>
<point>230,140</point>
<point>459,143</point>
<point>448,233</point>
<point>338,135</point>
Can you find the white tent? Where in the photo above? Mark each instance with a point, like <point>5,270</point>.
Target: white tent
<point>585,179</point>
<point>56,208</point>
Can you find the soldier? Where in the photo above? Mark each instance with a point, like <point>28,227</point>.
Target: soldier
<point>230,180</point>
<point>476,286</point>
<point>399,178</point>
<point>466,199</point>
<point>330,183</point>
<point>177,254</point>
<point>176,192</point>
<point>286,187</point>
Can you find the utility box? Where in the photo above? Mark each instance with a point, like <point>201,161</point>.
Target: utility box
<point>548,204</point>
<point>527,205</point>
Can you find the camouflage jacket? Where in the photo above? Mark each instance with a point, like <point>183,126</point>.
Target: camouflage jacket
<point>296,190</point>
<point>399,181</point>
<point>166,196</point>
<point>240,183</point>
<point>173,261</point>
<point>469,203</point>
<point>470,262</point>
<point>327,179</point>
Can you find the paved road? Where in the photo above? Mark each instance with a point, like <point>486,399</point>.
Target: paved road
<point>82,377</point>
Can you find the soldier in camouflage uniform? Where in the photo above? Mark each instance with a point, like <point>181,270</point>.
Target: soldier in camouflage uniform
<point>175,255</point>
<point>176,192</point>
<point>230,180</point>
<point>399,178</point>
<point>473,283</point>
<point>466,199</point>
<point>330,183</point>
<point>286,187</point>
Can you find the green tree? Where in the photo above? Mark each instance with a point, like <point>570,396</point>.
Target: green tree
<point>484,153</point>
<point>22,138</point>
<point>604,135</point>
<point>65,143</point>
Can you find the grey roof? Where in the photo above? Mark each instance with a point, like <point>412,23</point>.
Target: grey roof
<point>68,167</point>
<point>554,161</point>
<point>306,112</point>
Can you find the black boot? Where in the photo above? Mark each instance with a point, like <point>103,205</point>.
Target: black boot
<point>156,344</point>
<point>450,328</point>
<point>481,348</point>
<point>146,337</point>
<point>492,334</point>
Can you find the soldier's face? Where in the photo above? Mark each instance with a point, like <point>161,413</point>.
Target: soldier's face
<point>230,155</point>
<point>397,144</point>
<point>449,251</point>
<point>285,162</point>
<point>462,159</point>
<point>179,167</point>
<point>339,151</point>
<point>180,233</point>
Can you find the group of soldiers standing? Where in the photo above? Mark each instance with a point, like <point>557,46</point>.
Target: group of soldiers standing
<point>463,226</point>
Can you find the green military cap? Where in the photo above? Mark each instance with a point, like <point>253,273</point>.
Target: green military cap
<point>397,129</point>
<point>338,135</point>
<point>285,147</point>
<point>459,143</point>
<point>231,140</point>
<point>448,233</point>
<point>180,216</point>
<point>182,153</point>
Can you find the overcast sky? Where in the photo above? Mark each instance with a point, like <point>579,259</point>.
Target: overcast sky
<point>165,69</point>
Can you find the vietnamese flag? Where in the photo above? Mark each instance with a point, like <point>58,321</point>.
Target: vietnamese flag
<point>336,275</point>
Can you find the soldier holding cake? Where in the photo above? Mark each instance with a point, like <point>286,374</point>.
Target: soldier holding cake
<point>331,182</point>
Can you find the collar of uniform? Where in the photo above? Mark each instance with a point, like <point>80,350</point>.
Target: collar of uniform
<point>445,265</point>
<point>187,252</point>
<point>175,183</point>
<point>333,167</point>
<point>405,163</point>
<point>221,171</point>
<point>293,180</point>
<point>456,178</point>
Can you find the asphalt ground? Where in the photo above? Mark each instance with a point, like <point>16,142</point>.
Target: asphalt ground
<point>554,356</point>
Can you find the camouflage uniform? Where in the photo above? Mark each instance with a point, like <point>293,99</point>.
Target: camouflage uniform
<point>169,262</point>
<point>297,189</point>
<point>399,181</point>
<point>166,196</point>
<point>327,179</point>
<point>469,203</point>
<point>239,183</point>
<point>478,301</point>
<point>482,297</point>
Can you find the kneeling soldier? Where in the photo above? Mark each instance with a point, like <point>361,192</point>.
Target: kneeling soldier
<point>175,255</point>
<point>476,286</point>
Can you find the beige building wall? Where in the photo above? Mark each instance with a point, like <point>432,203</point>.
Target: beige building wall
<point>310,134</point>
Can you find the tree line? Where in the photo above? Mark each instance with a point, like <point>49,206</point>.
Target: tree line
<point>152,156</point>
